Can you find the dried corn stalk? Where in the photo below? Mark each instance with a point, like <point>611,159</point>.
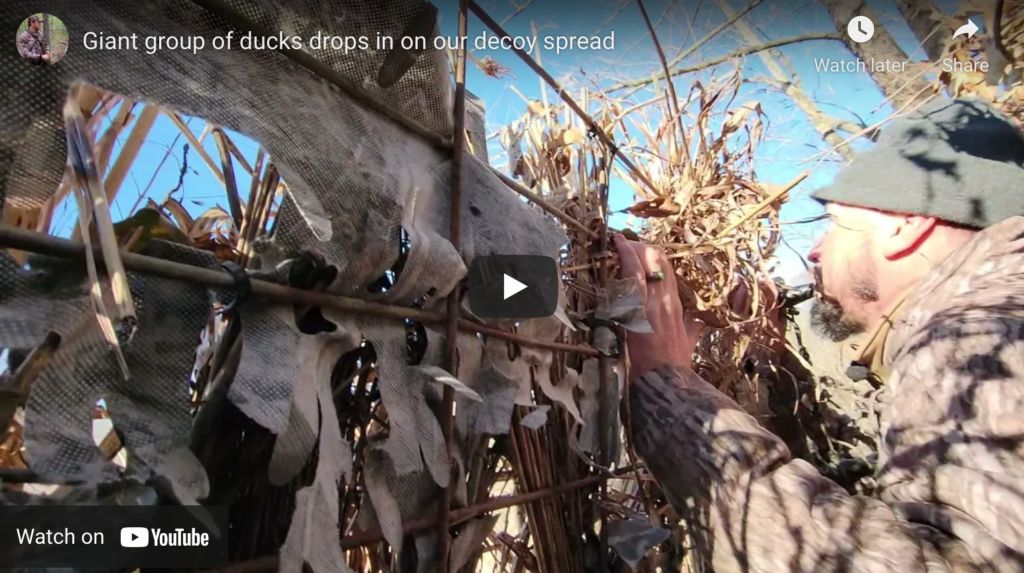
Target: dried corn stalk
<point>707,209</point>
<point>718,223</point>
<point>87,187</point>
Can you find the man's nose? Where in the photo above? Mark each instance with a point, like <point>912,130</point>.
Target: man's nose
<point>815,255</point>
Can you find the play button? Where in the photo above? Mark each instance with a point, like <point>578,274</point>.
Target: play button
<point>513,286</point>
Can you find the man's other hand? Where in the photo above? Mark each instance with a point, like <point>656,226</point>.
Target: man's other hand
<point>45,57</point>
<point>674,335</point>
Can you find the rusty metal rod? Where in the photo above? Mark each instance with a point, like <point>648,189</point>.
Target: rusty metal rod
<point>543,204</point>
<point>604,371</point>
<point>673,99</point>
<point>269,564</point>
<point>31,241</point>
<point>451,363</point>
<point>562,93</point>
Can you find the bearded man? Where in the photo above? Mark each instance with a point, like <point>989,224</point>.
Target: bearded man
<point>925,258</point>
<point>32,43</point>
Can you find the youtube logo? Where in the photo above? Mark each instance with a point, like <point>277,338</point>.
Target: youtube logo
<point>513,286</point>
<point>134,537</point>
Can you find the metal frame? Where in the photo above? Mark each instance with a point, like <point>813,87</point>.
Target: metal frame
<point>16,238</point>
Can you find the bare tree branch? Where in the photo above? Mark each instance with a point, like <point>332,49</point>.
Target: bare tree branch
<point>664,14</point>
<point>451,55</point>
<point>682,55</point>
<point>622,7</point>
<point>792,87</point>
<point>519,10</point>
<point>997,32</point>
<point>918,14</point>
<point>881,48</point>
<point>711,35</point>
<point>731,55</point>
<point>825,119</point>
<point>673,103</point>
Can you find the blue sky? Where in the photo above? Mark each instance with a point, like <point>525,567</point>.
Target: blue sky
<point>790,141</point>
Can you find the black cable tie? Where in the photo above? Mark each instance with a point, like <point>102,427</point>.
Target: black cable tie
<point>242,285</point>
<point>594,323</point>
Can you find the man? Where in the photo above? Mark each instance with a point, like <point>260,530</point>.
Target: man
<point>32,43</point>
<point>925,256</point>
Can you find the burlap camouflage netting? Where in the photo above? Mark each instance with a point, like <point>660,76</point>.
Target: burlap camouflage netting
<point>354,180</point>
<point>151,410</point>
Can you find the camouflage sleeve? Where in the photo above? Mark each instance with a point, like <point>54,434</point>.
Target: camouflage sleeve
<point>954,426</point>
<point>25,47</point>
<point>765,512</point>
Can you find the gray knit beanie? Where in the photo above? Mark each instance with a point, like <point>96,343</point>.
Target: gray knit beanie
<point>956,160</point>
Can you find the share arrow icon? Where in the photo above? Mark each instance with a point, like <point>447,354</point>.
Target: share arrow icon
<point>970,28</point>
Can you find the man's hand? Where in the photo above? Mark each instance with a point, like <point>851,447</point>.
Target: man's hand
<point>742,301</point>
<point>45,57</point>
<point>674,335</point>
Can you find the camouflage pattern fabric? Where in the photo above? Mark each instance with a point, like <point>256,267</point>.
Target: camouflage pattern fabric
<point>32,47</point>
<point>952,460</point>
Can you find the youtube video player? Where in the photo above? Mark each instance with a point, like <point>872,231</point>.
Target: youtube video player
<point>512,286</point>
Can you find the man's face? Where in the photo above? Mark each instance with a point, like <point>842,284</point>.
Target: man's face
<point>34,26</point>
<point>846,271</point>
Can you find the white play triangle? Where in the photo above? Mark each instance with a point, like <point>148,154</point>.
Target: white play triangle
<point>511,286</point>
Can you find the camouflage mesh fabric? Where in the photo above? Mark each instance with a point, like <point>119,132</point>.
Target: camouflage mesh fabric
<point>354,181</point>
<point>151,410</point>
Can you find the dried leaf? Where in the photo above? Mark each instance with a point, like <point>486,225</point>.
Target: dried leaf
<point>181,216</point>
<point>737,118</point>
<point>537,418</point>
<point>632,538</point>
<point>441,375</point>
<point>537,108</point>
<point>572,136</point>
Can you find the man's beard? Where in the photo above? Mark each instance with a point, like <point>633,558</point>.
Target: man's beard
<point>830,320</point>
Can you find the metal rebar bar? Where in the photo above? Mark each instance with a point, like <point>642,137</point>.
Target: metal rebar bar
<point>543,204</point>
<point>451,350</point>
<point>270,563</point>
<point>562,93</point>
<point>673,99</point>
<point>33,242</point>
<point>604,408</point>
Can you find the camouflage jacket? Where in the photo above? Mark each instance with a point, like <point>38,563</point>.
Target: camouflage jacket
<point>32,47</point>
<point>951,470</point>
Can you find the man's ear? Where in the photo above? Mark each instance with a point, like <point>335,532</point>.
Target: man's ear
<point>908,233</point>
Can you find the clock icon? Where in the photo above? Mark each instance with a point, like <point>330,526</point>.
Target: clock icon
<point>860,29</point>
